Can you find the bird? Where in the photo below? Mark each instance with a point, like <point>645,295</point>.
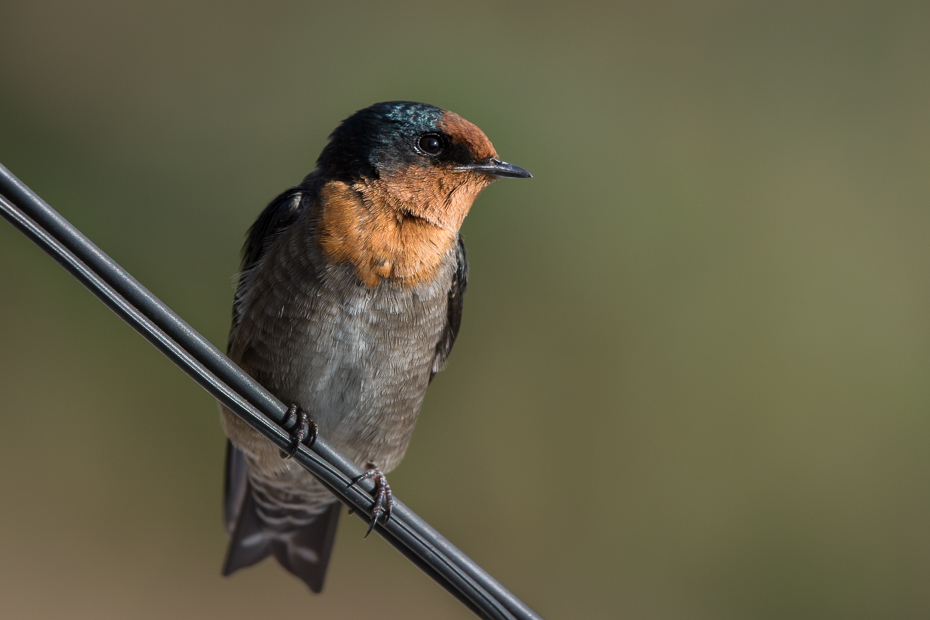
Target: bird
<point>348,303</point>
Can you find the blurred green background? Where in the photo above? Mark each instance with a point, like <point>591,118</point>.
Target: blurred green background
<point>693,377</point>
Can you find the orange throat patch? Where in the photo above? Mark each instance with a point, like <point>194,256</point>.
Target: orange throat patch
<point>394,230</point>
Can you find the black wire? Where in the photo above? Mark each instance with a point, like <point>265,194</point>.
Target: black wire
<point>217,374</point>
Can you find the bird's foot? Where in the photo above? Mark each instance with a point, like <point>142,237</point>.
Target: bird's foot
<point>301,428</point>
<point>384,499</point>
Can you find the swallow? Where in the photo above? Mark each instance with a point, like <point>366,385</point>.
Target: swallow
<point>348,303</point>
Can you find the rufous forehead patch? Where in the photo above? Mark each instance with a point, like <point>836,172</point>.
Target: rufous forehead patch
<point>462,131</point>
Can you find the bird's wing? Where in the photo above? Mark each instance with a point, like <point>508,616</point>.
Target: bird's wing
<point>306,551</point>
<point>278,215</point>
<point>454,312</point>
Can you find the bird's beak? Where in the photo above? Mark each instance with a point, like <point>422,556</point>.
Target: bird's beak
<point>498,168</point>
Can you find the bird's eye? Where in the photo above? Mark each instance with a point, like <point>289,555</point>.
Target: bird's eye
<point>431,144</point>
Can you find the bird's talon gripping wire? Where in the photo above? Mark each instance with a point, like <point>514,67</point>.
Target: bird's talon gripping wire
<point>305,429</point>
<point>384,499</point>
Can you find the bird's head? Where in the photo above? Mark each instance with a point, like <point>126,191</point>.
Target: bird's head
<point>415,159</point>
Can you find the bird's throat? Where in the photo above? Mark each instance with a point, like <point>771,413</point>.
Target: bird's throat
<point>364,227</point>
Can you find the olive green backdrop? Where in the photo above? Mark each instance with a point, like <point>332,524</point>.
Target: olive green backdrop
<point>694,372</point>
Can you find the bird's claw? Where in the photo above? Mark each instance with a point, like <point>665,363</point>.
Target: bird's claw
<point>305,429</point>
<point>384,499</point>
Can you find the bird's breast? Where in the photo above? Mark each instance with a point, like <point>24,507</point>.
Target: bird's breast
<point>357,359</point>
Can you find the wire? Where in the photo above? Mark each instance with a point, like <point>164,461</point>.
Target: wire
<point>229,384</point>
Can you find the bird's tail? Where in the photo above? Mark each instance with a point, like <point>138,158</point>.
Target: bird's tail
<point>303,550</point>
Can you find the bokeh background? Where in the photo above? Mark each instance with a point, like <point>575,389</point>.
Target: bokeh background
<point>693,378</point>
